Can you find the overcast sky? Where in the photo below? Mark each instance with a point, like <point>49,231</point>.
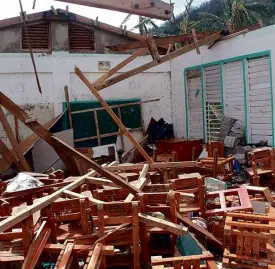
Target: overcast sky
<point>10,8</point>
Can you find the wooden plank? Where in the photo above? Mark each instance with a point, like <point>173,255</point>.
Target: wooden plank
<point>28,142</point>
<point>194,34</point>
<point>62,264</point>
<point>97,129</point>
<point>162,224</point>
<point>153,48</point>
<point>141,183</point>
<point>205,256</point>
<point>36,248</point>
<point>56,248</point>
<point>159,10</point>
<point>120,131</point>
<point>160,41</point>
<point>72,194</point>
<point>93,264</point>
<point>115,106</point>
<point>16,127</point>
<point>154,63</point>
<point>125,167</point>
<point>120,66</point>
<point>135,228</point>
<point>84,205</point>
<point>101,181</point>
<point>13,140</point>
<point>67,98</point>
<point>113,115</point>
<point>9,157</point>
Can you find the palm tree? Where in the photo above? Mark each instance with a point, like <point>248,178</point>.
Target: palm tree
<point>145,26</point>
<point>238,13</point>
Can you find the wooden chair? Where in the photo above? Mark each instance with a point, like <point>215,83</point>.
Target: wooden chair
<point>249,240</point>
<point>194,184</point>
<point>74,211</point>
<point>211,146</point>
<point>221,167</point>
<point>111,215</point>
<point>204,260</point>
<point>155,241</point>
<point>240,203</point>
<point>262,162</point>
<point>111,195</point>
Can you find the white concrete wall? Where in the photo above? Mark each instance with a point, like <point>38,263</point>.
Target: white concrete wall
<point>18,82</point>
<point>250,43</point>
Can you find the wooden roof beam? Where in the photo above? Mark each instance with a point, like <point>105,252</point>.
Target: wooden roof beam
<point>154,63</point>
<point>149,8</point>
<point>160,41</point>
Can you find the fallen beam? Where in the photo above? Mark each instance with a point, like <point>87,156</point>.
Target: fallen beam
<point>36,247</point>
<point>128,167</point>
<point>154,63</point>
<point>9,157</point>
<point>140,52</point>
<point>122,128</point>
<point>19,154</point>
<point>160,41</point>
<point>162,224</point>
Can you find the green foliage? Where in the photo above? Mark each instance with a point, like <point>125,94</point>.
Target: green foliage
<point>215,14</point>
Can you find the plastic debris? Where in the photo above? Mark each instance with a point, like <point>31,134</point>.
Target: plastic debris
<point>23,182</point>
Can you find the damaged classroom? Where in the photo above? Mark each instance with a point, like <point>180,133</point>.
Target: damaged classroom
<point>122,150</point>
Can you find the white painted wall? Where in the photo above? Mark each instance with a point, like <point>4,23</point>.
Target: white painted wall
<point>252,42</point>
<point>18,82</point>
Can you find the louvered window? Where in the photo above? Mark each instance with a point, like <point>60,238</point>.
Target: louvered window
<point>234,90</point>
<point>259,99</point>
<point>81,38</point>
<point>195,106</point>
<point>39,36</point>
<point>213,101</point>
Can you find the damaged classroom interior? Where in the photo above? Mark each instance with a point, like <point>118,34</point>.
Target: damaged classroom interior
<point>122,150</point>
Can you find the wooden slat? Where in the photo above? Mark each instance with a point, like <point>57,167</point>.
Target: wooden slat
<point>163,224</point>
<point>95,257</point>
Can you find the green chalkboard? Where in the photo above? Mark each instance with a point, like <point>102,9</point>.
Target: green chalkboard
<point>84,123</point>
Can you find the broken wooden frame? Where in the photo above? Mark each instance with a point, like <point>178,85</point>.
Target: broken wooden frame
<point>241,203</point>
<point>249,240</point>
<point>149,8</point>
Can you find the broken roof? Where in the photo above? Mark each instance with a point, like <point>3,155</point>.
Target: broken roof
<point>63,15</point>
